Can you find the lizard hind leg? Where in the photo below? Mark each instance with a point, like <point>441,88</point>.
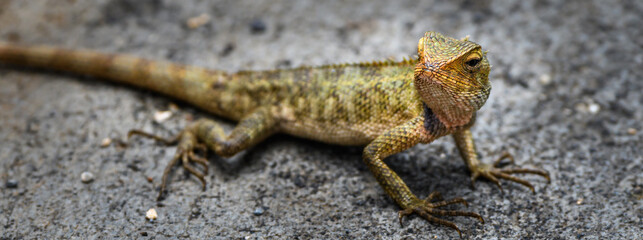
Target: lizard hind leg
<point>186,143</point>
<point>206,134</point>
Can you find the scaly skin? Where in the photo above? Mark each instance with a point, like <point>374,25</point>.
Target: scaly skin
<point>387,106</point>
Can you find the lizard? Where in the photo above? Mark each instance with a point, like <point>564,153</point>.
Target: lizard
<point>386,106</point>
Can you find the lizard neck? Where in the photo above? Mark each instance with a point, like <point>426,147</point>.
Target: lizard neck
<point>449,110</point>
<point>437,127</point>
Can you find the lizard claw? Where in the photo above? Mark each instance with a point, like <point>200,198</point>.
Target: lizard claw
<point>187,143</point>
<point>428,210</point>
<point>493,172</point>
<point>487,175</point>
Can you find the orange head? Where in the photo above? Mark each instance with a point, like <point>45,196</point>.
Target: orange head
<point>452,77</point>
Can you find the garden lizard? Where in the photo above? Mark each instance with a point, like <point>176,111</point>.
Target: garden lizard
<point>387,106</point>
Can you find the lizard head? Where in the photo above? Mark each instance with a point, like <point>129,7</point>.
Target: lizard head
<point>452,77</point>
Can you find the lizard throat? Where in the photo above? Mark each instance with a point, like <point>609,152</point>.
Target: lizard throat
<point>434,126</point>
<point>431,122</point>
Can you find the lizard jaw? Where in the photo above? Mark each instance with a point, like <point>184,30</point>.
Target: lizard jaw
<point>453,109</point>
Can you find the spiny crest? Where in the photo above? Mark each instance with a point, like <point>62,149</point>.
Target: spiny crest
<point>383,63</point>
<point>437,49</point>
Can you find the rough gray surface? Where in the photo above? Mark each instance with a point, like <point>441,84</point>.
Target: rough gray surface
<point>554,63</point>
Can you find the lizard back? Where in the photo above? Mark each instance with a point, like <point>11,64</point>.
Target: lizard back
<point>346,104</point>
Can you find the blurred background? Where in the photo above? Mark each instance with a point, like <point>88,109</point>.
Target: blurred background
<point>567,97</point>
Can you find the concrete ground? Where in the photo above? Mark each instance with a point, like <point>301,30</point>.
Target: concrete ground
<point>567,97</point>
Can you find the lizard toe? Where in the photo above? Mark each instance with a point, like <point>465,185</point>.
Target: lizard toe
<point>430,211</point>
<point>493,172</point>
<point>186,143</point>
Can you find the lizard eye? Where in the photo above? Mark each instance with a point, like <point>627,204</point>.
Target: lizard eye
<point>473,62</point>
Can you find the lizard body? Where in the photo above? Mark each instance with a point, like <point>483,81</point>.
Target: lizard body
<point>387,106</point>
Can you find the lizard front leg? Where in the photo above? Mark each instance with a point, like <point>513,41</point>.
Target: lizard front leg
<point>396,140</point>
<point>209,134</point>
<point>467,148</point>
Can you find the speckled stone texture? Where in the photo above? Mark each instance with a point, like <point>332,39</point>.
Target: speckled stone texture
<point>567,97</point>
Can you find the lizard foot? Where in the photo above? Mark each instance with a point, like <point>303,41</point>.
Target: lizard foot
<point>428,210</point>
<point>493,172</point>
<point>186,144</point>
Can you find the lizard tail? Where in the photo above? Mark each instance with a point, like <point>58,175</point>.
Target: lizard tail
<point>186,83</point>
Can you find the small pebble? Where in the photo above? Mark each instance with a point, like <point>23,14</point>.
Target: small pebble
<point>86,177</point>
<point>593,108</point>
<point>198,21</point>
<point>33,127</point>
<point>257,26</point>
<point>189,117</point>
<point>227,49</point>
<point>545,79</point>
<point>150,179</point>
<point>11,183</point>
<point>106,142</point>
<point>173,107</point>
<point>151,214</point>
<point>300,181</point>
<point>631,131</point>
<point>579,201</point>
<point>258,211</point>
<point>161,116</point>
